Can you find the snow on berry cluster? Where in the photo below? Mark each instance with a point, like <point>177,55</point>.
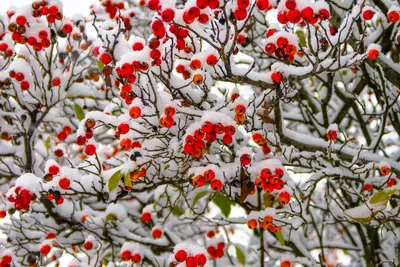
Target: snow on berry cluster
<point>204,133</point>
<point>292,11</point>
<point>188,255</point>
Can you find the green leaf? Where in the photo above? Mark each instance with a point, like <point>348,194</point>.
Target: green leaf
<point>80,114</point>
<point>100,65</point>
<point>47,142</point>
<point>302,38</point>
<point>114,180</point>
<point>240,255</point>
<point>127,179</point>
<point>279,235</point>
<point>111,217</point>
<point>177,211</point>
<point>381,196</point>
<point>223,203</point>
<point>361,220</point>
<point>166,167</point>
<point>199,196</point>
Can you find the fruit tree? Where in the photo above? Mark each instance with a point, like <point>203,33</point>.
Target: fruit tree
<point>200,133</point>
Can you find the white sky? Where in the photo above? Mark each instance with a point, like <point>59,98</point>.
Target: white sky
<point>70,6</point>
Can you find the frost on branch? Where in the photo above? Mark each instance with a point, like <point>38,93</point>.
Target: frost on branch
<point>200,133</point>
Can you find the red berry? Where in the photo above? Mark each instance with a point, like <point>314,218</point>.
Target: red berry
<point>200,259</point>
<point>156,233</point>
<point>240,14</point>
<point>20,20</point>
<point>324,14</point>
<point>270,48</point>
<point>146,217</point>
<point>6,259</point>
<point>211,60</point>
<point>167,15</point>
<point>88,245</point>
<point>106,58</point>
<point>373,54</point>
<point>169,111</point>
<point>230,130</point>
<point>45,249</point>
<point>56,81</point>
<point>294,16</point>
<point>284,198</point>
<point>136,258</point>
<point>286,264</point>
<point>393,16</point>
<point>3,214</point>
<point>207,127</point>
<point>135,112</point>
<point>180,255</point>
<point>252,223</point>
<point>123,128</point>
<point>126,255</point>
<point>331,135</point>
<point>307,13</point>
<point>245,159</point>
<point>202,4</point>
<point>368,14</point>
<point>24,86</point>
<point>64,183</point>
<point>276,77</point>
<point>262,4</point>
<point>282,42</point>
<point>227,139</point>
<point>290,4</point>
<point>190,262</point>
<point>67,28</point>
<point>216,185</point>
<point>54,169</point>
<point>90,149</point>
<point>282,17</point>
<point>209,175</point>
<point>80,140</point>
<point>368,187</point>
<point>62,136</point>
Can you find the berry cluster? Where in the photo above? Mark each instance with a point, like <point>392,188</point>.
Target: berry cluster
<point>8,52</point>
<point>307,14</point>
<point>195,145</point>
<point>266,224</point>
<point>167,121</point>
<point>279,44</point>
<point>56,196</point>
<point>129,255</point>
<point>208,175</point>
<point>51,12</point>
<point>112,7</point>
<point>21,198</point>
<point>20,77</point>
<point>216,251</point>
<point>64,133</point>
<point>259,139</point>
<point>190,260</point>
<point>37,39</point>
<point>270,181</point>
<point>90,149</point>
<point>240,112</point>
<point>193,13</point>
